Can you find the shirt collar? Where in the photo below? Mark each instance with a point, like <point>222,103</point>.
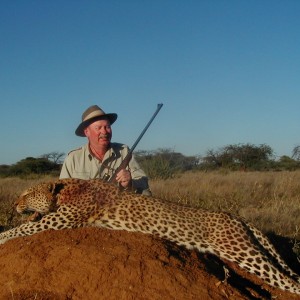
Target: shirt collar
<point>109,153</point>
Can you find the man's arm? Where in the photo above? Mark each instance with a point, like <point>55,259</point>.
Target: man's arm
<point>139,178</point>
<point>64,173</point>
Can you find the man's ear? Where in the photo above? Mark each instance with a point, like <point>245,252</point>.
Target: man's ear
<point>86,131</point>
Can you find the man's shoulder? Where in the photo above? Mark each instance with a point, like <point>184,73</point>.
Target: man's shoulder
<point>76,151</point>
<point>120,150</point>
<point>119,146</point>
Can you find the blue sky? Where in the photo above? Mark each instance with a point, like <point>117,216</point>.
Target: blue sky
<point>227,72</point>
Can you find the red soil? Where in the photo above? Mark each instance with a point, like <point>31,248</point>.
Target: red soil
<point>93,263</point>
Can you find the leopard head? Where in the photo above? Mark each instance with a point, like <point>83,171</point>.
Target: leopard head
<point>40,198</point>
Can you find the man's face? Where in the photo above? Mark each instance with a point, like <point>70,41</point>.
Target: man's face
<point>99,133</point>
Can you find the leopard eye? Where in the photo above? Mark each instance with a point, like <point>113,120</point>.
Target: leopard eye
<point>51,187</point>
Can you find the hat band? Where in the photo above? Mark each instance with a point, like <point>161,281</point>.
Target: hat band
<point>92,115</point>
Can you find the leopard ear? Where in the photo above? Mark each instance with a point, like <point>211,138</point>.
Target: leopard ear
<point>57,187</point>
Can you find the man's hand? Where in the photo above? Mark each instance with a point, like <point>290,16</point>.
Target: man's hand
<point>124,178</point>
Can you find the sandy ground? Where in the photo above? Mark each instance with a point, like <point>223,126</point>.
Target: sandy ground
<point>93,263</point>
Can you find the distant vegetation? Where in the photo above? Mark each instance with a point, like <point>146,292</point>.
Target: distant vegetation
<point>166,163</point>
<point>249,157</point>
<point>47,164</point>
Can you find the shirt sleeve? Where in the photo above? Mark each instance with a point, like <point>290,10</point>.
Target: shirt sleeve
<point>139,178</point>
<point>65,170</point>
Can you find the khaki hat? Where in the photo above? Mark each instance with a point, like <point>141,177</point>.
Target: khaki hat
<point>93,113</point>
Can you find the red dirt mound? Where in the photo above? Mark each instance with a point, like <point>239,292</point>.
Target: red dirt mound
<point>93,263</point>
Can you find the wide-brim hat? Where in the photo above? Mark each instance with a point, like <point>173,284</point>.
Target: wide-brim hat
<point>92,114</point>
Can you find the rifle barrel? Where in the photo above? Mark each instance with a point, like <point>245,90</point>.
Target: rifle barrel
<point>159,106</point>
<point>126,160</point>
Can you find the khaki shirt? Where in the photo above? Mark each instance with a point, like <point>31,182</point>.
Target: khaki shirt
<point>80,163</point>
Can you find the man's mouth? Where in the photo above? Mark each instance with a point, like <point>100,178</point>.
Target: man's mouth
<point>104,137</point>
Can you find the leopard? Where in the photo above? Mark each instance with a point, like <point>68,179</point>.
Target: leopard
<point>74,203</point>
<point>37,199</point>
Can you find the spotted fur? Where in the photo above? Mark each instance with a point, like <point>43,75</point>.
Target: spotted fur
<point>72,203</point>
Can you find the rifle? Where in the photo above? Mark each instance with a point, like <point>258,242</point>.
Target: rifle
<point>128,157</point>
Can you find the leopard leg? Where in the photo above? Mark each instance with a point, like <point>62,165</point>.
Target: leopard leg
<point>54,221</point>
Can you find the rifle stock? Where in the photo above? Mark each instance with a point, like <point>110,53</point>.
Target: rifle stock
<point>123,165</point>
<point>128,157</point>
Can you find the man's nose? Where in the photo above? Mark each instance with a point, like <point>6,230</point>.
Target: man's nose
<point>103,130</point>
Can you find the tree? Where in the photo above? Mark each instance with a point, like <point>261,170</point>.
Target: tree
<point>287,163</point>
<point>48,163</point>
<point>4,170</point>
<point>31,165</point>
<point>239,156</point>
<point>54,156</point>
<point>164,163</point>
<point>213,159</point>
<point>249,156</point>
<point>296,153</point>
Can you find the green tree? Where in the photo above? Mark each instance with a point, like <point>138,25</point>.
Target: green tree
<point>287,163</point>
<point>31,165</point>
<point>164,163</point>
<point>4,170</point>
<point>246,156</point>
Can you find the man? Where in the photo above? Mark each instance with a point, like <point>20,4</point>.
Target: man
<point>99,158</point>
